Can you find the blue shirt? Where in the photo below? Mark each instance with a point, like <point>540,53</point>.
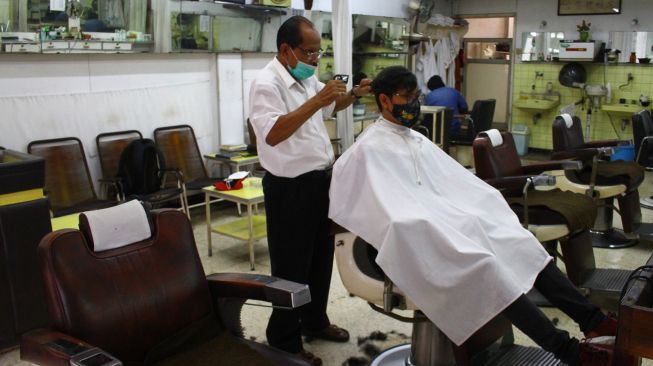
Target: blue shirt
<point>450,98</point>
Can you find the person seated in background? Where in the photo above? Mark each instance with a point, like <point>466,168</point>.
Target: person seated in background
<point>445,96</point>
<point>449,240</point>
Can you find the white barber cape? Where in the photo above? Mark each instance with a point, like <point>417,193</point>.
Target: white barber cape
<point>447,239</point>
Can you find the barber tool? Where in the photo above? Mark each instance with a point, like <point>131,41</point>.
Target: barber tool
<point>343,77</point>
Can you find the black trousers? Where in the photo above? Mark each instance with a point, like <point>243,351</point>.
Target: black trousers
<point>301,250</point>
<point>556,288</point>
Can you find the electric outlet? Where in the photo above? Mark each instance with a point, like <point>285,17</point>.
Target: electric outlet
<point>630,77</point>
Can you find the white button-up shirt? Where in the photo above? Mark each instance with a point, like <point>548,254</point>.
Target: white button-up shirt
<point>275,93</point>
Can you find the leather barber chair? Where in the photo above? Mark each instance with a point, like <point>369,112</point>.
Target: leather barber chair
<point>603,180</point>
<point>129,289</point>
<point>491,345</point>
<point>643,136</point>
<point>550,214</point>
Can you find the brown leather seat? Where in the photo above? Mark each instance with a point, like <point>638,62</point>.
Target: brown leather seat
<point>68,182</point>
<point>568,142</point>
<point>149,303</point>
<point>500,165</point>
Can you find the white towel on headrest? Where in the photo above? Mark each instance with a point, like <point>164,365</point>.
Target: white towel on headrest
<point>117,226</point>
<point>495,137</point>
<point>568,120</point>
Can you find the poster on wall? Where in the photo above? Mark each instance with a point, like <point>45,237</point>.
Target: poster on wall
<point>588,7</point>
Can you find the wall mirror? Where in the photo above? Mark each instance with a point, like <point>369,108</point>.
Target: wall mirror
<point>540,46</point>
<point>25,25</point>
<point>627,42</point>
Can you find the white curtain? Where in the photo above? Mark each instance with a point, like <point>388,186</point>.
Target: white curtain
<point>136,14</point>
<point>111,12</point>
<point>161,28</point>
<point>342,47</point>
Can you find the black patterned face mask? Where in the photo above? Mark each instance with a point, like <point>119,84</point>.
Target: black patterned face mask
<point>407,113</point>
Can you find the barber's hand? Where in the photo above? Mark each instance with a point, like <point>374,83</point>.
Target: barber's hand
<point>331,91</point>
<point>364,88</point>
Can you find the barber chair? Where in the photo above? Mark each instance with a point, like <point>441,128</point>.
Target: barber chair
<point>479,120</point>
<point>133,289</point>
<point>493,344</point>
<point>643,136</point>
<point>545,212</point>
<point>602,180</point>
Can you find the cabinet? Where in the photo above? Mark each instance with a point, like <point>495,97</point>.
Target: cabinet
<point>77,46</point>
<point>24,220</point>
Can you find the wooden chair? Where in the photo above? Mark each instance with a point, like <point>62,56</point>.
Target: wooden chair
<point>68,182</point>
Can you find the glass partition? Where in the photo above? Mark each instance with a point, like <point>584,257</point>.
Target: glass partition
<point>541,46</point>
<point>627,42</point>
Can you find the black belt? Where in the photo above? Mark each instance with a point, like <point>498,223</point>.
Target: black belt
<point>313,174</point>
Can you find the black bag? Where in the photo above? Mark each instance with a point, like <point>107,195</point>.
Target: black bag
<point>141,167</point>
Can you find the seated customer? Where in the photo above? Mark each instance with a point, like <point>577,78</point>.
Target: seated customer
<point>445,96</point>
<point>447,239</point>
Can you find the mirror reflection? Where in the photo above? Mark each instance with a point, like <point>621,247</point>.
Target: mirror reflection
<point>95,15</point>
<point>541,46</point>
<point>628,42</point>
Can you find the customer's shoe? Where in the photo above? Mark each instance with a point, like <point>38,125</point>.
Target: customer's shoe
<point>312,359</point>
<point>331,333</point>
<point>595,354</point>
<point>607,327</point>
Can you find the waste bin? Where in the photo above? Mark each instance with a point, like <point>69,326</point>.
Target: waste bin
<point>623,152</point>
<point>520,134</point>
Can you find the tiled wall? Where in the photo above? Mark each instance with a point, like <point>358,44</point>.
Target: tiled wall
<point>603,126</point>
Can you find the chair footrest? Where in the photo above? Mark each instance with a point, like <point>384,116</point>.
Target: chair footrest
<point>609,280</point>
<point>524,356</point>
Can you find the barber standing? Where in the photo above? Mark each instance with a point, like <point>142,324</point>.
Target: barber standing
<point>287,109</point>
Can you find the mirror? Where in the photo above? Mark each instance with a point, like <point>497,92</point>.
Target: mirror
<point>627,42</point>
<point>541,46</point>
<point>95,15</point>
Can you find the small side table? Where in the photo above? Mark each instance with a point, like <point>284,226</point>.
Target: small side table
<point>234,162</point>
<point>250,228</point>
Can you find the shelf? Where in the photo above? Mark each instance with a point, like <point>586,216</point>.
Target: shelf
<point>270,10</point>
<point>239,229</point>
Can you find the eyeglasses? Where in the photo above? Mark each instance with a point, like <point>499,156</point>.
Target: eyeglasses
<point>312,54</point>
<point>410,97</point>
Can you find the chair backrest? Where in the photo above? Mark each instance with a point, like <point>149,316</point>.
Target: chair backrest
<point>133,300</point>
<point>483,115</point>
<point>567,138</point>
<point>67,179</point>
<point>110,146</point>
<point>179,146</point>
<point>140,167</point>
<point>496,161</point>
<point>643,127</point>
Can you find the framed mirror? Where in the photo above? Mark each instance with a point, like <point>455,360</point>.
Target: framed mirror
<point>627,42</point>
<point>540,46</point>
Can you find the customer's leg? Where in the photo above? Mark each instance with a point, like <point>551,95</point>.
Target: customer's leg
<point>289,255</point>
<point>557,288</point>
<point>528,318</point>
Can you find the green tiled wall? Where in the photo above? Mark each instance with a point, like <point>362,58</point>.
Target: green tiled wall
<point>603,126</point>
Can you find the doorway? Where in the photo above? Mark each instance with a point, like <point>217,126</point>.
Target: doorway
<point>488,47</point>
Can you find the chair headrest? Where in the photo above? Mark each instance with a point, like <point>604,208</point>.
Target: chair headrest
<point>569,121</point>
<point>116,226</point>
<point>495,137</point>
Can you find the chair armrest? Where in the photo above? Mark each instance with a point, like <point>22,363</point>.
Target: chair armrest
<point>605,143</point>
<point>275,290</point>
<point>38,347</point>
<point>510,183</point>
<point>583,154</point>
<point>542,166</point>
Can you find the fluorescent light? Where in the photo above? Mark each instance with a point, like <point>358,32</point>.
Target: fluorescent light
<point>534,34</point>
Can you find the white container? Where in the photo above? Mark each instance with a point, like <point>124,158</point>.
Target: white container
<point>521,134</point>
<point>577,51</point>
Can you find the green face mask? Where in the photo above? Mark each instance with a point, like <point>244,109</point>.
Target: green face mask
<point>302,70</point>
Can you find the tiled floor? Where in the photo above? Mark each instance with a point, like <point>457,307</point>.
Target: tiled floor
<point>353,313</point>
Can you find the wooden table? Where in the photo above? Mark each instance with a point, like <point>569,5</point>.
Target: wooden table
<point>250,228</point>
<point>234,162</point>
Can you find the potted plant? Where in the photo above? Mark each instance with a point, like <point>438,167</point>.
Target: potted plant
<point>584,31</point>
